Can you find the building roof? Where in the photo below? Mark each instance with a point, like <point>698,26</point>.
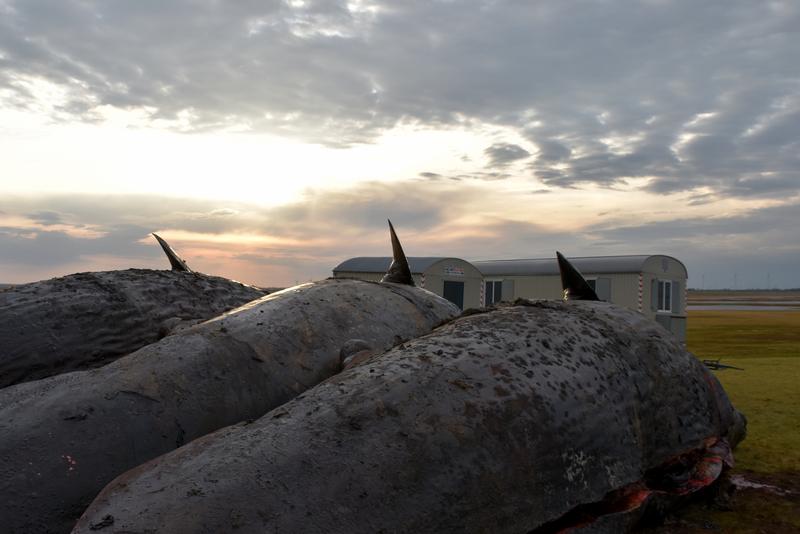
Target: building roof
<point>529,267</point>
<point>373,264</point>
<point>549,266</point>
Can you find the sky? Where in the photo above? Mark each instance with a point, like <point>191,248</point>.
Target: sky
<point>268,141</point>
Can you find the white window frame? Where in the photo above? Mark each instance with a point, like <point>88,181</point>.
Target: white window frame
<point>493,281</point>
<point>664,288</point>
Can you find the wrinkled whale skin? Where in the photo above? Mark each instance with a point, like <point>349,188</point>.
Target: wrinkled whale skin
<point>496,422</point>
<point>86,320</point>
<point>67,436</point>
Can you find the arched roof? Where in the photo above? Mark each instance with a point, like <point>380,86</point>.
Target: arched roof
<point>379,264</point>
<point>526,267</point>
<point>549,266</point>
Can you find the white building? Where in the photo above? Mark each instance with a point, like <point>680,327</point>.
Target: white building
<point>652,284</point>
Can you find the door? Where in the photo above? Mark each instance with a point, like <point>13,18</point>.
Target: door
<point>454,292</point>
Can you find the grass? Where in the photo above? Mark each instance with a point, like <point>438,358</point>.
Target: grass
<point>768,393</point>
<point>767,345</point>
<point>744,334</point>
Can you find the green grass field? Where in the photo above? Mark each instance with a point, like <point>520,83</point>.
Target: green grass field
<point>767,345</point>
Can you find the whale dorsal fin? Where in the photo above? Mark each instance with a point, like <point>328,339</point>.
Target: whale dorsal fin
<point>177,263</point>
<point>572,281</point>
<point>399,272</point>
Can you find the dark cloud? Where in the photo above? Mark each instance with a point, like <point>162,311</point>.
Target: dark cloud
<point>748,246</point>
<point>46,218</point>
<point>699,200</point>
<point>758,221</point>
<point>30,246</point>
<point>477,176</point>
<point>502,154</point>
<point>689,94</point>
<point>551,151</point>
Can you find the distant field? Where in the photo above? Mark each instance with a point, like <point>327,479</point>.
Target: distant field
<point>698,296</point>
<point>767,345</point>
<point>744,334</point>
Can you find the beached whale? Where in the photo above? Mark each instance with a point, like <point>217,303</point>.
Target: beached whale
<point>534,417</point>
<point>86,320</point>
<point>67,436</point>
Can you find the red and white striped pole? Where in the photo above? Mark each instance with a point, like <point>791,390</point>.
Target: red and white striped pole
<point>641,291</point>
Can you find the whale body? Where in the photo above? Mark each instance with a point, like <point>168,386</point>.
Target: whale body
<point>514,420</point>
<point>86,320</point>
<point>67,436</point>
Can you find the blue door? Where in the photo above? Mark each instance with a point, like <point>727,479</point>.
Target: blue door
<point>454,292</point>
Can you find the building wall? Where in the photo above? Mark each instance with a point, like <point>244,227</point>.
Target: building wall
<point>623,287</point>
<point>530,287</point>
<point>455,270</point>
<point>666,268</point>
<point>450,269</point>
<point>624,290</point>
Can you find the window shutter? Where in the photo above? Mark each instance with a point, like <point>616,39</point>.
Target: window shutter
<point>654,294</point>
<point>676,297</point>
<point>508,290</point>
<point>603,289</point>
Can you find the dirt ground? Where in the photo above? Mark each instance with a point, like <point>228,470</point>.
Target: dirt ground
<point>762,504</point>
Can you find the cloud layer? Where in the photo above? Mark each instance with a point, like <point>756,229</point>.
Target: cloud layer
<point>45,236</point>
<point>681,94</point>
<point>652,125</point>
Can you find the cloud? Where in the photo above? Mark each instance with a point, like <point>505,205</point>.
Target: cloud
<point>277,246</point>
<point>683,95</point>
<point>502,154</point>
<point>698,103</point>
<point>301,240</point>
<point>716,231</point>
<point>46,218</point>
<point>431,176</point>
<point>551,151</point>
<point>750,247</point>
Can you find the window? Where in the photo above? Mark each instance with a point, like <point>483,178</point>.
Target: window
<point>664,296</point>
<point>493,292</point>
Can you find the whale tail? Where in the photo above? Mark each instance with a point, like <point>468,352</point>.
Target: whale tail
<point>177,263</point>
<point>572,281</point>
<point>399,272</point>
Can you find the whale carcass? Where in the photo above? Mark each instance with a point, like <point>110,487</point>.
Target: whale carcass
<point>85,320</point>
<point>67,436</point>
<point>534,417</point>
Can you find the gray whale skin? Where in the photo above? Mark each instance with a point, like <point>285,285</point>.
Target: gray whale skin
<point>67,436</point>
<point>525,418</point>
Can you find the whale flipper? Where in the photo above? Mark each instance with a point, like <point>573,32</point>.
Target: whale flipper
<point>177,263</point>
<point>399,272</point>
<point>572,281</point>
